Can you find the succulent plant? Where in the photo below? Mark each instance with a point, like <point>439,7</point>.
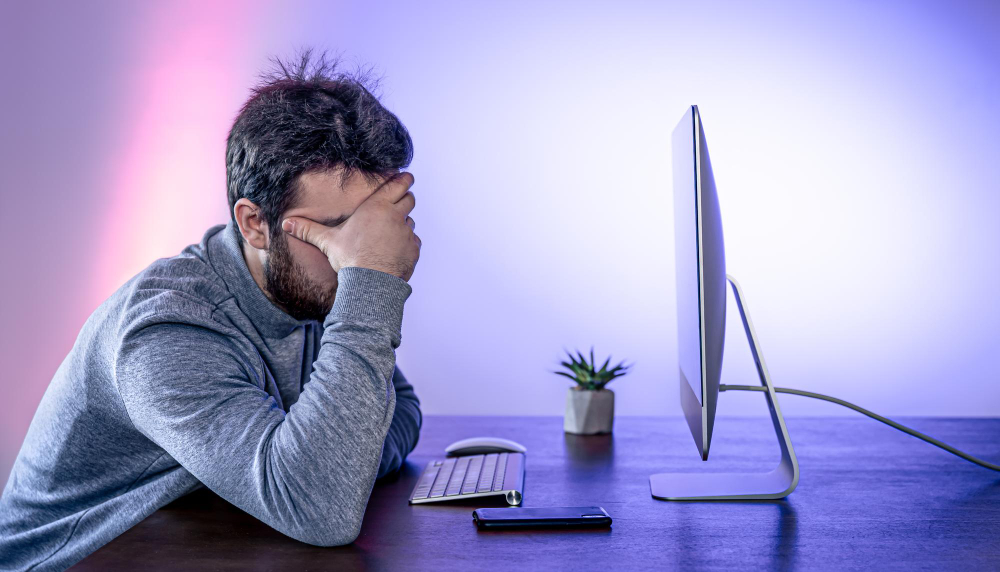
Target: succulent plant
<point>586,375</point>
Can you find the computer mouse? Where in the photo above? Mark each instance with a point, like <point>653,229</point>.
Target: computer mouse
<point>479,445</point>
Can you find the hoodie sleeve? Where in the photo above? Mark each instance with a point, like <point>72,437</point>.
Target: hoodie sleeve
<point>309,472</point>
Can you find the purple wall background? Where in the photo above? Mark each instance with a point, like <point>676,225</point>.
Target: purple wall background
<point>855,150</point>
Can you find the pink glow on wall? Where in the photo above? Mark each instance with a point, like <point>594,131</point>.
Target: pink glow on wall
<point>171,164</point>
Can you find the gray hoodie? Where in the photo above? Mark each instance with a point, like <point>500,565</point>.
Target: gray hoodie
<point>188,376</point>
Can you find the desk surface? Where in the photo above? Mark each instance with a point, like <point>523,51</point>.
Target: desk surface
<point>868,496</point>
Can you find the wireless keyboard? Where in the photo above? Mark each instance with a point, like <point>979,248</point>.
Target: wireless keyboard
<point>472,476</point>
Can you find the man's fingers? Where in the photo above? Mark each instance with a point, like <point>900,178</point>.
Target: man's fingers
<point>306,231</point>
<point>395,187</point>
<point>406,203</point>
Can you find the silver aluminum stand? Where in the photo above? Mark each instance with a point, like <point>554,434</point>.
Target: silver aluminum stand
<point>776,484</point>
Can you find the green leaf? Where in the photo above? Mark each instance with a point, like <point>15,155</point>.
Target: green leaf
<point>605,366</point>
<point>567,375</point>
<point>572,359</point>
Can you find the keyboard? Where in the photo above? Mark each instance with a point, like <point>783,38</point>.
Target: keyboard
<point>472,476</point>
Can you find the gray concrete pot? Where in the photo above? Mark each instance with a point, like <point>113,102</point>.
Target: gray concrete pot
<point>589,412</point>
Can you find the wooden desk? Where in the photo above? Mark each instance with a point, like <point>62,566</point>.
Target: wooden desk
<point>869,497</point>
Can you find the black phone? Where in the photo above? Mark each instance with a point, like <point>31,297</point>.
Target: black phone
<point>554,517</point>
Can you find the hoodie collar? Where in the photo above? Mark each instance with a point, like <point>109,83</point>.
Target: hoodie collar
<point>226,256</point>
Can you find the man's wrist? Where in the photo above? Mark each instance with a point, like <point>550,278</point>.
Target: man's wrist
<point>372,266</point>
<point>369,295</point>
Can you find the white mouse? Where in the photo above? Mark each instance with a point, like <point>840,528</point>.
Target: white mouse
<point>478,445</point>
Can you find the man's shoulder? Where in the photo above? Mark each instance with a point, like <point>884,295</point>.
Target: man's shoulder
<point>172,309</point>
<point>185,288</point>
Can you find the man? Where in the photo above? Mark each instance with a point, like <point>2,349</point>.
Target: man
<point>259,362</point>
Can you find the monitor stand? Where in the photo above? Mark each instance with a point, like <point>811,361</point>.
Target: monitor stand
<point>776,484</point>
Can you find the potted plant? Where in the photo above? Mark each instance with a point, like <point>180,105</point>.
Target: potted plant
<point>590,408</point>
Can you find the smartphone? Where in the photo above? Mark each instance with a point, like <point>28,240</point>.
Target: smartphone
<point>554,517</point>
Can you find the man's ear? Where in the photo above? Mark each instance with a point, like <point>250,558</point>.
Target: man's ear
<point>252,226</point>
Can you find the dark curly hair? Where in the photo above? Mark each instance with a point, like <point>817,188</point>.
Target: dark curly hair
<point>305,115</point>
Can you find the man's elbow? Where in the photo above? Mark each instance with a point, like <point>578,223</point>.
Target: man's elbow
<point>327,533</point>
<point>323,523</point>
<point>340,537</point>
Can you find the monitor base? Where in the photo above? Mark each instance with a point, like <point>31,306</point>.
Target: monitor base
<point>776,484</point>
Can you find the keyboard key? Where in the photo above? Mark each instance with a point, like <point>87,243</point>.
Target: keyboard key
<point>426,480</point>
<point>472,475</point>
<point>457,477</point>
<point>442,478</point>
<point>501,471</point>
<point>486,476</point>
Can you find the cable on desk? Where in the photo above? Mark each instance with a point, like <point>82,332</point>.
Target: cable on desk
<point>876,416</point>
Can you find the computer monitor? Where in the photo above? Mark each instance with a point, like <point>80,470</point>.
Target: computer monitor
<point>700,263</point>
<point>701,328</point>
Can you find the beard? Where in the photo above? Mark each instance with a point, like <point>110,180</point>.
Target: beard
<point>288,285</point>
